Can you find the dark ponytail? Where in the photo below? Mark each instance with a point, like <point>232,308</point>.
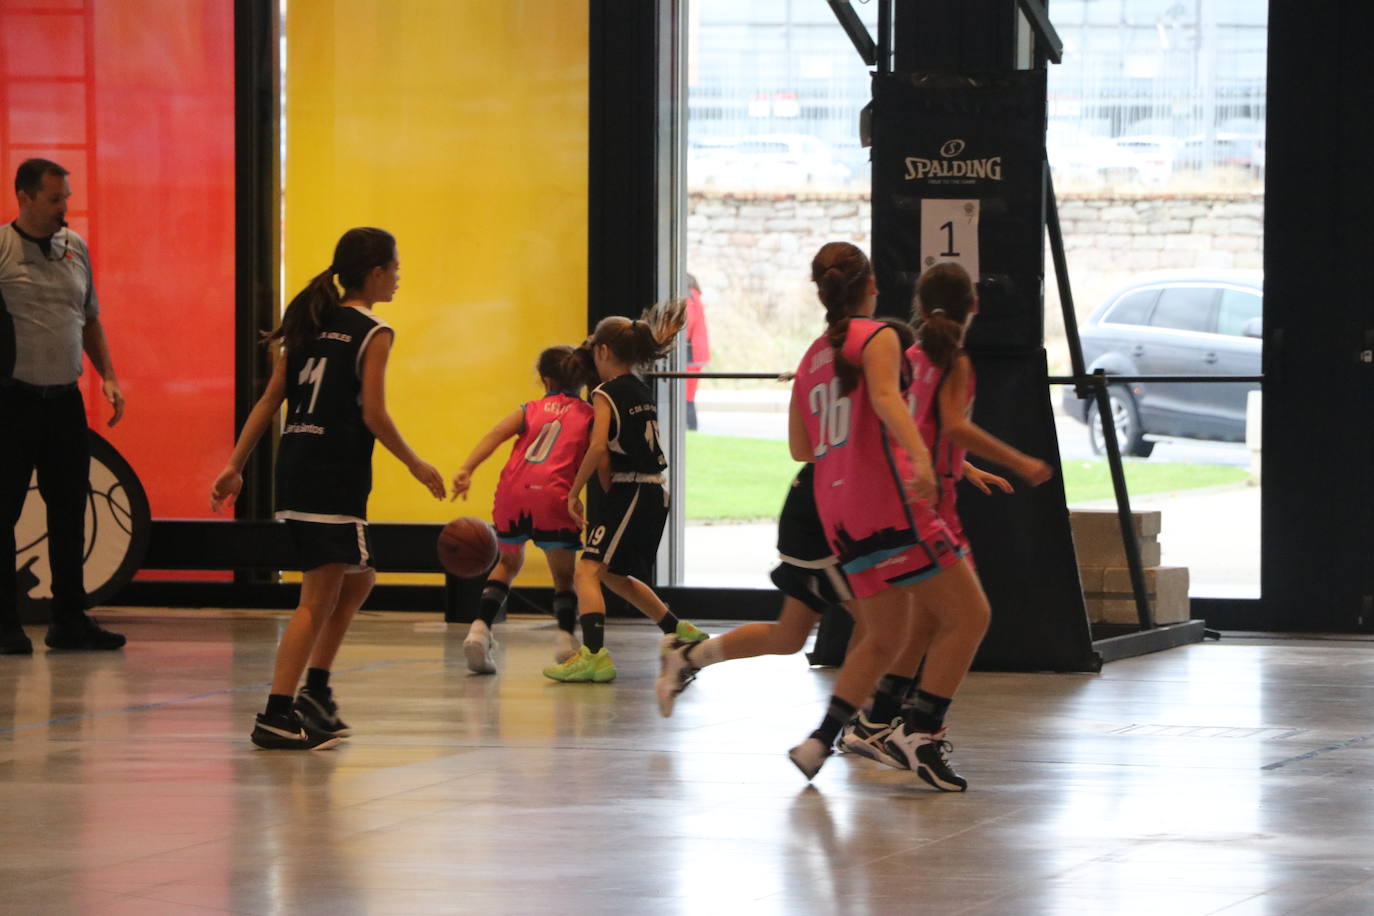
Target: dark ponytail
<point>944,296</point>
<point>569,368</point>
<point>358,251</point>
<point>841,271</point>
<point>641,342</point>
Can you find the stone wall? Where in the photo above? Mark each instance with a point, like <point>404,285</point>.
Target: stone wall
<point>751,254</point>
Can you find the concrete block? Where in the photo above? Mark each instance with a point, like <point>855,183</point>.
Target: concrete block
<point>1166,589</point>
<point>1097,537</point>
<point>1103,523</point>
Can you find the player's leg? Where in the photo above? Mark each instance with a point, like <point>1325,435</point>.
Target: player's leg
<point>883,619</point>
<point>592,662</point>
<point>16,470</point>
<point>279,727</point>
<point>867,733</point>
<point>315,701</point>
<point>478,644</point>
<point>562,563</point>
<point>955,601</point>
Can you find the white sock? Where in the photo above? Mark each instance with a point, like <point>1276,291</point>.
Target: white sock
<point>706,652</point>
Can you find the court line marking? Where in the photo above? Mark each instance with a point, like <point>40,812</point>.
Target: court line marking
<point>1318,752</point>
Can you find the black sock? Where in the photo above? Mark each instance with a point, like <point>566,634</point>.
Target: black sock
<point>669,623</point>
<point>278,705</point>
<point>565,609</point>
<point>836,716</point>
<point>593,631</point>
<point>493,598</point>
<point>925,712</point>
<point>317,681</point>
<point>887,700</point>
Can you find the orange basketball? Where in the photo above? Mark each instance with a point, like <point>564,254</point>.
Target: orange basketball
<point>467,547</point>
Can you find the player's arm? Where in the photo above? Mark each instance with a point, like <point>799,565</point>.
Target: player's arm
<point>379,421</point>
<point>882,365</point>
<point>597,451</point>
<point>797,439</point>
<point>227,485</point>
<point>510,425</point>
<point>964,432</point>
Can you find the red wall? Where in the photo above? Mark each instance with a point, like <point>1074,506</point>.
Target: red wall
<point>136,98</point>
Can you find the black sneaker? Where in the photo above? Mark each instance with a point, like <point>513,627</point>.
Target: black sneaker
<point>924,753</point>
<point>321,713</point>
<point>82,633</point>
<point>289,733</point>
<point>14,641</point>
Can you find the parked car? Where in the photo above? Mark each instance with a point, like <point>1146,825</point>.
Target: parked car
<point>1174,324</point>
<point>1228,150</point>
<point>1103,161</point>
<point>765,161</point>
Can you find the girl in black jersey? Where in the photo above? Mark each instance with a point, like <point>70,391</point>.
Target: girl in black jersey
<point>624,531</point>
<point>331,375</point>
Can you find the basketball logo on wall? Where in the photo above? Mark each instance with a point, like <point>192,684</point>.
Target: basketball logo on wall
<point>118,525</point>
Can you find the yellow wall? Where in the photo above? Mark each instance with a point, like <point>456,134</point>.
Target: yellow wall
<point>461,127</point>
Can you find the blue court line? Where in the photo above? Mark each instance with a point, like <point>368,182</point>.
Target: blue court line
<point>1318,752</point>
<point>140,707</point>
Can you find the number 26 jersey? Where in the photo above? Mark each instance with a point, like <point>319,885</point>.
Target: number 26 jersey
<point>324,463</point>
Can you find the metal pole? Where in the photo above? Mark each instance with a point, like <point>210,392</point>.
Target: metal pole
<point>1123,502</point>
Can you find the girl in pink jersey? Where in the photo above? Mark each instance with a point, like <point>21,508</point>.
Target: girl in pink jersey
<point>551,436</point>
<point>851,416</point>
<point>942,387</point>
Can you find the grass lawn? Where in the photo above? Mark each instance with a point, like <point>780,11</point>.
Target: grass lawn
<point>730,477</point>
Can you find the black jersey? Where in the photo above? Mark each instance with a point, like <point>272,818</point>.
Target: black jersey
<point>324,465</point>
<point>633,437</point>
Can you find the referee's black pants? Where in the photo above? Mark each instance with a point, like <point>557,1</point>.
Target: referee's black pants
<point>47,433</point>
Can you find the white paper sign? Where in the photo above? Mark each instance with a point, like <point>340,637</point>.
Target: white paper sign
<point>949,232</point>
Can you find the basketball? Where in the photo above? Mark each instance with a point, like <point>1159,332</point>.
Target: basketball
<point>467,547</point>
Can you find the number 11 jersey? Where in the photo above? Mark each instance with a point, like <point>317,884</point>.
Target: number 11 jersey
<point>324,463</point>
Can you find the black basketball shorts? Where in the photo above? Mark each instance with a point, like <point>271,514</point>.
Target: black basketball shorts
<point>809,571</point>
<point>321,543</point>
<point>625,530</point>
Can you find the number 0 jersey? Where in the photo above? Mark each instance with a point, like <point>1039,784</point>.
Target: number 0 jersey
<point>636,454</point>
<point>324,464</point>
<point>551,444</point>
<point>946,455</point>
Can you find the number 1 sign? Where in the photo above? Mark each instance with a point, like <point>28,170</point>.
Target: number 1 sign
<point>949,232</point>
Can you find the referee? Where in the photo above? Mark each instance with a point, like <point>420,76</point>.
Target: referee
<point>48,316</point>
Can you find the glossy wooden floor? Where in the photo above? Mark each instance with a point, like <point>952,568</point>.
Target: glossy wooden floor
<point>1229,778</point>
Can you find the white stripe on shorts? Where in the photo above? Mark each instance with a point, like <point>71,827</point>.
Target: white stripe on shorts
<point>624,523</point>
<point>839,582</point>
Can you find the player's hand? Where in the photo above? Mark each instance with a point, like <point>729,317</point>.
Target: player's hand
<point>225,490</point>
<point>461,481</point>
<point>576,510</point>
<point>920,485</point>
<point>115,396</point>
<point>429,475</point>
<point>985,480</point>
<point>786,376</point>
<point>1034,471</point>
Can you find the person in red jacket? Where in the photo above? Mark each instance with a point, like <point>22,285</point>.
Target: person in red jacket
<point>698,345</point>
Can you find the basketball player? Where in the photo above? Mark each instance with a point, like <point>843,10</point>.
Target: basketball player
<point>624,531</point>
<point>331,375</point>
<point>531,502</point>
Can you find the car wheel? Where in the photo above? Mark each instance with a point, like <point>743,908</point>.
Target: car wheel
<point>1125,419</point>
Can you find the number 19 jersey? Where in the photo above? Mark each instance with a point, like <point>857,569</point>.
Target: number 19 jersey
<point>324,463</point>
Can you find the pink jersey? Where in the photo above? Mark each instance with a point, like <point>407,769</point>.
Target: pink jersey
<point>859,492</point>
<point>550,447</point>
<point>947,456</point>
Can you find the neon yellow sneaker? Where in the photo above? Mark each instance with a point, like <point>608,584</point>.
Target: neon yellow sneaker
<point>584,666</point>
<point>687,634</point>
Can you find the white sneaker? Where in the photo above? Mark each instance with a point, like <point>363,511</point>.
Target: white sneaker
<point>478,647</point>
<point>565,646</point>
<point>809,757</point>
<point>675,672</point>
<point>868,739</point>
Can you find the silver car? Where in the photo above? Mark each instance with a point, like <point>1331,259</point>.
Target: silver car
<point>1194,323</point>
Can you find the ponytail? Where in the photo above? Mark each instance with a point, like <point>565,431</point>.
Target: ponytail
<point>569,368</point>
<point>841,273</point>
<point>642,341</point>
<point>308,311</point>
<point>944,298</point>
